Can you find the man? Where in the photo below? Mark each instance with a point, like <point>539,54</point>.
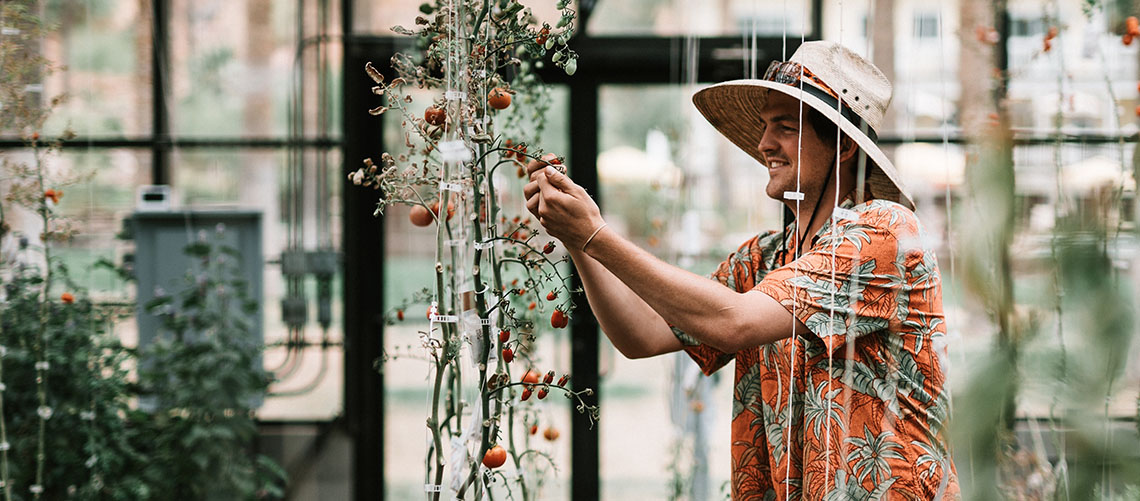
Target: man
<point>839,390</point>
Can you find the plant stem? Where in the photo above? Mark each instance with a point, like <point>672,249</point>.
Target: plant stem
<point>41,372</point>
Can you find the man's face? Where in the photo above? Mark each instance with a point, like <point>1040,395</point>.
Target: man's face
<point>785,135</point>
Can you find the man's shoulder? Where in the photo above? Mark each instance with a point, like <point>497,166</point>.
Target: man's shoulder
<point>888,216</point>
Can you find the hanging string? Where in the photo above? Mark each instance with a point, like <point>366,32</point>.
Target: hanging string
<point>795,268</point>
<point>1058,121</point>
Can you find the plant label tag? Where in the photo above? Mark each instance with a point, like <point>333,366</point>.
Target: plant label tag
<point>793,195</point>
<point>445,319</point>
<point>486,321</point>
<point>455,95</point>
<point>848,214</point>
<point>484,245</point>
<point>9,31</point>
<point>454,151</point>
<point>456,187</point>
<point>433,488</point>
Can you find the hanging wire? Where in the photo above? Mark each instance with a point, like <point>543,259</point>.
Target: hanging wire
<point>1058,122</point>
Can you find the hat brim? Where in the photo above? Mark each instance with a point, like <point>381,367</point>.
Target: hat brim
<point>733,109</point>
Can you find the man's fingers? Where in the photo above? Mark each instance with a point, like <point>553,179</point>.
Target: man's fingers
<point>534,165</point>
<point>532,204</point>
<point>559,180</point>
<point>531,189</point>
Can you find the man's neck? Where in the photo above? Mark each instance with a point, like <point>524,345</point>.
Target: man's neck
<point>807,223</point>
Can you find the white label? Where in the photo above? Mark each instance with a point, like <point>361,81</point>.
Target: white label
<point>793,195</point>
<point>42,366</point>
<point>455,95</point>
<point>456,187</point>
<point>485,321</point>
<point>9,31</point>
<point>848,214</point>
<point>445,319</point>
<point>433,488</point>
<point>484,245</point>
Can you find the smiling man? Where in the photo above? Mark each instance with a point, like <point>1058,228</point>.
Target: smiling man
<point>833,321</point>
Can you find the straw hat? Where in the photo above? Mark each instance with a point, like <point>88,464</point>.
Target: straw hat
<point>825,76</point>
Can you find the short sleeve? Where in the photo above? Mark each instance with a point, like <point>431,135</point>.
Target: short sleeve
<point>848,285</point>
<point>737,272</point>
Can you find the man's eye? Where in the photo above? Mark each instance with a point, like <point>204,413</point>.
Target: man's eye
<point>788,129</point>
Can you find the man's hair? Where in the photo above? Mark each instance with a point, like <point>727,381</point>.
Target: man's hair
<point>823,127</point>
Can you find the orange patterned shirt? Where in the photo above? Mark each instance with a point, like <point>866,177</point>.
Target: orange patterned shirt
<point>855,407</point>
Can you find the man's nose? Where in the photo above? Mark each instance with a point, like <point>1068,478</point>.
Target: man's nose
<point>766,144</point>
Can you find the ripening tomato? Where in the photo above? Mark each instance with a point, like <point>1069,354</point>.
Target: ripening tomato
<point>533,429</point>
<point>558,319</point>
<point>542,393</point>
<point>525,394</point>
<point>532,305</point>
<point>420,216</point>
<point>400,315</point>
<point>552,295</point>
<point>550,433</point>
<point>548,248</point>
<point>510,153</point>
<point>543,34</point>
<point>499,98</point>
<point>450,209</point>
<point>508,355</point>
<point>548,377</point>
<point>551,159</point>
<point>504,336</point>
<point>495,457</point>
<point>531,377</point>
<point>435,116</point>
<point>68,298</point>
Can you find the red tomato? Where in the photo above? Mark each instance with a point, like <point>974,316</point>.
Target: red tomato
<point>533,429</point>
<point>548,377</point>
<point>504,336</point>
<point>552,159</point>
<point>420,216</point>
<point>552,295</point>
<point>495,457</point>
<point>542,393</point>
<point>68,298</point>
<point>525,395</point>
<point>508,355</point>
<point>548,248</point>
<point>499,98</point>
<point>400,315</point>
<point>543,34</point>
<point>435,116</point>
<point>530,377</point>
<point>558,319</point>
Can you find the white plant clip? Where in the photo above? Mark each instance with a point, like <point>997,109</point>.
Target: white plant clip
<point>793,195</point>
<point>454,151</point>
<point>848,214</point>
<point>455,95</point>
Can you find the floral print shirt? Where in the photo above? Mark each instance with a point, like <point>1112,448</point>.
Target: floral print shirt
<point>855,407</point>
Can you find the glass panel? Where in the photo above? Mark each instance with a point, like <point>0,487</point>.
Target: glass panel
<point>674,186</point>
<point>233,66</point>
<point>372,17</point>
<point>104,49</point>
<point>712,18</point>
<point>257,180</point>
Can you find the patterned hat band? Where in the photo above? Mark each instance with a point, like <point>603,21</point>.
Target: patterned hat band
<point>792,73</point>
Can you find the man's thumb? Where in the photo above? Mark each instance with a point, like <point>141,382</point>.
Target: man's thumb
<point>558,179</point>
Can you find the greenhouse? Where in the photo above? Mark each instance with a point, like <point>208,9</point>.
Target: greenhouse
<point>569,249</point>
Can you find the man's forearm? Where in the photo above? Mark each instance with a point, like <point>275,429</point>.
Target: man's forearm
<point>633,327</point>
<point>703,308</point>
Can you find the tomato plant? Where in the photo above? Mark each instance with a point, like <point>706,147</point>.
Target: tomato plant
<point>476,58</point>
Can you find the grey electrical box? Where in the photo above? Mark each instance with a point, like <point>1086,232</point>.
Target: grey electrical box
<point>159,259</point>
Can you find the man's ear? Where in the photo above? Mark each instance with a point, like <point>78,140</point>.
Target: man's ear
<point>847,149</point>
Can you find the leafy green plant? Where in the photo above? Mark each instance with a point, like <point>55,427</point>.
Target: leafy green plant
<point>203,377</point>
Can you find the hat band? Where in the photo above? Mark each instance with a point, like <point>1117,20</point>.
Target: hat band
<point>791,73</point>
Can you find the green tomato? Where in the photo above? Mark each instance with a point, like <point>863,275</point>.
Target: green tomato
<point>571,66</point>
